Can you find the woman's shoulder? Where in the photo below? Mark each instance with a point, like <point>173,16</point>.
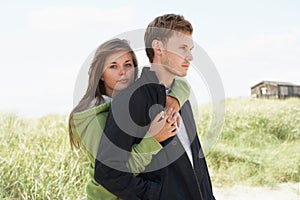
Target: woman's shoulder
<point>93,111</point>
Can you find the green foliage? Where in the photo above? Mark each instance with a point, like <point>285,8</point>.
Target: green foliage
<point>36,161</point>
<point>259,145</point>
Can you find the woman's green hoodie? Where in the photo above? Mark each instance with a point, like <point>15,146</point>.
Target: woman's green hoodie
<point>88,125</point>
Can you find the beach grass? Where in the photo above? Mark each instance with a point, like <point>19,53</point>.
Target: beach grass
<point>259,145</point>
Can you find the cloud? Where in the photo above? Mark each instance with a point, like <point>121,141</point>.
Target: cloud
<point>68,19</point>
<point>260,48</point>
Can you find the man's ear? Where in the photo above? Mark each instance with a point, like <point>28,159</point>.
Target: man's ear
<point>157,47</point>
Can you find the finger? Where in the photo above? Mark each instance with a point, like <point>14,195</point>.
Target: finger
<point>174,118</point>
<point>173,133</point>
<point>172,128</point>
<point>178,121</point>
<point>159,116</point>
<point>169,111</point>
<point>169,114</point>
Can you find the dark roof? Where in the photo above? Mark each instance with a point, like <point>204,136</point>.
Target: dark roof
<point>275,83</point>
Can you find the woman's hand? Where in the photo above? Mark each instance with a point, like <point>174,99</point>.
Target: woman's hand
<point>161,129</point>
<point>173,107</point>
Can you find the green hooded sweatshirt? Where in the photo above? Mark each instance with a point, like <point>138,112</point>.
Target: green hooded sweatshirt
<point>88,125</point>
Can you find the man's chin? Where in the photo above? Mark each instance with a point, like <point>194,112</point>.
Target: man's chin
<point>182,74</point>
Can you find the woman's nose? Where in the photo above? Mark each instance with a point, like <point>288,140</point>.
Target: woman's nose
<point>122,71</point>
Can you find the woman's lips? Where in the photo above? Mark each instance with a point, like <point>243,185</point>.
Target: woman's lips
<point>123,80</point>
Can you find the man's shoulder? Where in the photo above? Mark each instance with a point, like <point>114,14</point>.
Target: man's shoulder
<point>141,89</point>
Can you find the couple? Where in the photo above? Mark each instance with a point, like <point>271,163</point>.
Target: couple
<point>137,150</point>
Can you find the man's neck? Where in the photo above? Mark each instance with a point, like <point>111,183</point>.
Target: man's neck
<point>164,76</point>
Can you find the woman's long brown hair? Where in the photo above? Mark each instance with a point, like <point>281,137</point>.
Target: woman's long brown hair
<point>96,87</point>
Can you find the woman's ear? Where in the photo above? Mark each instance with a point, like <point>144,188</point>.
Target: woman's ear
<point>157,47</point>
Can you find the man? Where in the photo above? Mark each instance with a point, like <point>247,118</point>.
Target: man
<point>179,170</point>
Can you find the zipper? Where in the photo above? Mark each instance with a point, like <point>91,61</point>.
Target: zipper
<point>198,184</point>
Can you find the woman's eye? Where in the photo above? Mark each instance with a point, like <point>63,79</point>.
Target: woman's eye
<point>113,67</point>
<point>128,65</point>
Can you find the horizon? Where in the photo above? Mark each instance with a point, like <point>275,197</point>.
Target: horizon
<point>45,45</point>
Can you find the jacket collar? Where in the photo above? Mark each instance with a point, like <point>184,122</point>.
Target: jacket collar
<point>149,76</point>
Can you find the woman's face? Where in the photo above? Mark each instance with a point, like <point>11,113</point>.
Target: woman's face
<point>118,72</point>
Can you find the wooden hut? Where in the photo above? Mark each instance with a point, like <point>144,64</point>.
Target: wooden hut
<point>275,89</point>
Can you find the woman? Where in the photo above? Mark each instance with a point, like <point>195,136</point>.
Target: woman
<point>113,69</point>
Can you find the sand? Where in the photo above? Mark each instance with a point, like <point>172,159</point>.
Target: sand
<point>287,191</point>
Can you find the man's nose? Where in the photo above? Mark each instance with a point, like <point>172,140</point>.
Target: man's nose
<point>189,56</point>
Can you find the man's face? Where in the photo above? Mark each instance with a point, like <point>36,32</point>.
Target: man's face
<point>177,54</point>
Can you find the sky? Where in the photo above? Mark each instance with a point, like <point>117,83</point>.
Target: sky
<point>45,44</point>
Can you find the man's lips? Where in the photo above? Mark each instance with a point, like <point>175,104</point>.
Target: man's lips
<point>185,65</point>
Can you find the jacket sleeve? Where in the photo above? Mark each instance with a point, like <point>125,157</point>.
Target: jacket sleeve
<point>141,153</point>
<point>114,149</point>
<point>180,90</point>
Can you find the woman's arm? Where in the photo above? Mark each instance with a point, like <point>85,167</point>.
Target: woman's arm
<point>159,130</point>
<point>88,127</point>
<point>180,90</point>
<point>141,153</point>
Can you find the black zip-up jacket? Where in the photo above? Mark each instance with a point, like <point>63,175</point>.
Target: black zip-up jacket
<point>170,175</point>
